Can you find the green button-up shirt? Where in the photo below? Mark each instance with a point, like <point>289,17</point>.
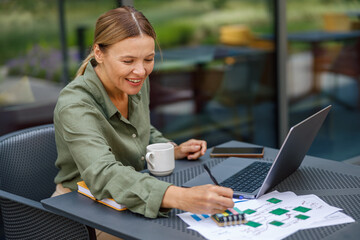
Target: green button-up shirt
<point>95,143</point>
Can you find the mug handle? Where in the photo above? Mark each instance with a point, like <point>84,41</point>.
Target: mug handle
<point>148,157</point>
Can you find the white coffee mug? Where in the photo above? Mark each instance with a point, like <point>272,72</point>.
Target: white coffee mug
<point>160,158</point>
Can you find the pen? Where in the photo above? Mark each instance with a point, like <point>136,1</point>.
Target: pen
<point>238,196</point>
<point>211,176</point>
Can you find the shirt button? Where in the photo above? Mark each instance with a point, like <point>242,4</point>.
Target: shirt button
<point>142,158</point>
<point>134,135</point>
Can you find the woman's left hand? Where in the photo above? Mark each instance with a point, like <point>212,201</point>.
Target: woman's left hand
<point>192,149</point>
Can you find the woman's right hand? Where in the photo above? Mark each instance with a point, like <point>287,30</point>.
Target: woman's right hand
<point>205,199</point>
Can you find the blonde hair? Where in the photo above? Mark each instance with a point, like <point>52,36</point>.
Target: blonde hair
<point>116,25</point>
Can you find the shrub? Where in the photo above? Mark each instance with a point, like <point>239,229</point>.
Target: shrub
<point>42,63</point>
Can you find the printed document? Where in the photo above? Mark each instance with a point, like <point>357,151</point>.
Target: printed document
<point>273,216</point>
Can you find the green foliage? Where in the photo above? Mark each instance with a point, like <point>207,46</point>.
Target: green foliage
<point>27,23</point>
<point>44,63</point>
<point>219,4</point>
<point>178,33</point>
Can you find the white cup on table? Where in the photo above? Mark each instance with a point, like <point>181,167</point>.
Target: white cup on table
<point>160,158</point>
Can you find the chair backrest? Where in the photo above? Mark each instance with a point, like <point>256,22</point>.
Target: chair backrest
<point>241,80</point>
<point>27,160</point>
<point>27,169</point>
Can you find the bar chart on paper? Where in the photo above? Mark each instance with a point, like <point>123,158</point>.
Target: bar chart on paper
<point>199,217</point>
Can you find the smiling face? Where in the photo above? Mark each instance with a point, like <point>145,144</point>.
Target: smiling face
<point>125,65</point>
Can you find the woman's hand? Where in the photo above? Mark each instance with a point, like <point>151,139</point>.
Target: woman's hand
<point>205,199</point>
<point>192,149</point>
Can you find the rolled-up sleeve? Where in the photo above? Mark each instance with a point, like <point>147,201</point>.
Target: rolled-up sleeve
<point>98,161</point>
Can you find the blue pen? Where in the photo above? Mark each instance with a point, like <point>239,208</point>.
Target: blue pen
<point>237,196</point>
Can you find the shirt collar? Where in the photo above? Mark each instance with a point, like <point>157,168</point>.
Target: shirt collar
<point>98,91</point>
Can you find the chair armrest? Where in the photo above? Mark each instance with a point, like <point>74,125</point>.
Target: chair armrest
<point>27,219</point>
<point>22,200</point>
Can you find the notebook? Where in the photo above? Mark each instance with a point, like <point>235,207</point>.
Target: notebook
<point>266,175</point>
<point>83,189</point>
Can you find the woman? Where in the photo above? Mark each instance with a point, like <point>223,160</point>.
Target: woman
<point>102,125</point>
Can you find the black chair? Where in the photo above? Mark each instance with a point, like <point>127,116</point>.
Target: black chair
<point>27,174</point>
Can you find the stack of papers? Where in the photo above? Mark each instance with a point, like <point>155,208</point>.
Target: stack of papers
<point>273,216</point>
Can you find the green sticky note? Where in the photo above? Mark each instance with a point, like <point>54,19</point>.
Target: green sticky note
<point>249,211</point>
<point>302,217</point>
<point>274,200</point>
<point>302,209</point>
<point>238,210</point>
<point>253,224</point>
<point>277,223</point>
<point>279,211</point>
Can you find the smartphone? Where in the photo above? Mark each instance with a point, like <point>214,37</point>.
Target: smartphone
<point>248,152</point>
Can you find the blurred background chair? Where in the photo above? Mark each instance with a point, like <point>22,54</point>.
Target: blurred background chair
<point>339,58</point>
<point>232,108</point>
<point>347,63</point>
<point>27,102</point>
<point>27,172</point>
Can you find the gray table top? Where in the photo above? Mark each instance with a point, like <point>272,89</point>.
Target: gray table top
<point>336,183</point>
<point>201,54</point>
<point>318,36</point>
<point>322,36</point>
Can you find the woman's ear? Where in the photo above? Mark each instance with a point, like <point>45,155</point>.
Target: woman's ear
<point>98,53</point>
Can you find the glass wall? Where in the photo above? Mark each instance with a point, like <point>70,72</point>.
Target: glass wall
<point>323,69</point>
<point>31,62</point>
<point>214,79</point>
<point>31,40</point>
<point>28,40</point>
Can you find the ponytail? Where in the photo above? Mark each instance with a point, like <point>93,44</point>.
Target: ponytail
<point>82,68</point>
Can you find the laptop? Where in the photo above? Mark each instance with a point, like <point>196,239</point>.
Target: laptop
<point>250,178</point>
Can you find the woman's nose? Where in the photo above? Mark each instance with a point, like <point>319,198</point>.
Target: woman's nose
<point>139,69</point>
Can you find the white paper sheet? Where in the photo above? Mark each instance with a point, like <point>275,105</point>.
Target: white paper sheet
<point>292,213</point>
<point>332,219</point>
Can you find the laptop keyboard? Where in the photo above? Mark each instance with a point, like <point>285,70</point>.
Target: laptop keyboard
<point>249,179</point>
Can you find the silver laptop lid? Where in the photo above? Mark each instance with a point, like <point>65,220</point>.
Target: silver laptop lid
<point>294,149</point>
